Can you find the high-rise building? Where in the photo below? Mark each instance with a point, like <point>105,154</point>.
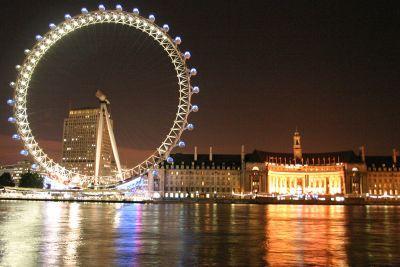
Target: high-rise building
<point>79,143</point>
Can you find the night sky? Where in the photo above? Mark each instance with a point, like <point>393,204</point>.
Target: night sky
<point>329,68</point>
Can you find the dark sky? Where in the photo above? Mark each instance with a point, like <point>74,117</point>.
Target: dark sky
<point>331,68</point>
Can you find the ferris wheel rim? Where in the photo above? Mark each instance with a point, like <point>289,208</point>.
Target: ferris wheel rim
<point>71,24</point>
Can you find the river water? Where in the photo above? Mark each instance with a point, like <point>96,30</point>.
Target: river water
<point>95,234</point>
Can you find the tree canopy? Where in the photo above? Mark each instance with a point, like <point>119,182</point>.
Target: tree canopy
<point>6,179</point>
<point>32,180</point>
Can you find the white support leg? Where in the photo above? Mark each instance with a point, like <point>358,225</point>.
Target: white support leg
<point>99,142</point>
<point>113,143</point>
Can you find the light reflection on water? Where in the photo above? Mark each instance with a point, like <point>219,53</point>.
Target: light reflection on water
<point>87,234</point>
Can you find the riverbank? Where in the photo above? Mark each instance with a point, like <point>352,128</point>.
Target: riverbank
<point>262,201</point>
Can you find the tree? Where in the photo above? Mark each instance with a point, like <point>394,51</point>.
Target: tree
<point>6,180</point>
<point>32,180</point>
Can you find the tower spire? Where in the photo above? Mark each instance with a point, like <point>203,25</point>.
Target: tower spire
<point>297,151</point>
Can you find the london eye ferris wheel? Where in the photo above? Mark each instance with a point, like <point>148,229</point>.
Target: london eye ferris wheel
<point>44,43</point>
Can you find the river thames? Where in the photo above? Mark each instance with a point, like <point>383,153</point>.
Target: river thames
<point>91,234</point>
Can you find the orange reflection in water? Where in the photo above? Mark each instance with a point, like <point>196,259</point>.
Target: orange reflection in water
<point>307,235</point>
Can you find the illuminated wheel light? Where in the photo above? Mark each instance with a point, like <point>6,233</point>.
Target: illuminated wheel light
<point>10,102</point>
<point>187,55</point>
<point>12,120</point>
<point>71,24</point>
<point>181,144</point>
<point>165,28</point>
<point>152,18</point>
<point>193,72</point>
<point>178,40</point>
<point>195,108</point>
<point>195,90</point>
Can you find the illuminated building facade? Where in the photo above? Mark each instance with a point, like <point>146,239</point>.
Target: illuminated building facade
<point>199,175</point>
<point>16,170</point>
<point>305,179</point>
<point>300,173</point>
<point>79,143</point>
<point>383,175</point>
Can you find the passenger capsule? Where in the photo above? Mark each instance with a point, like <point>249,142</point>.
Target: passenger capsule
<point>18,67</point>
<point>181,144</point>
<point>52,26</point>
<point>190,127</point>
<point>11,120</point>
<point>24,152</point>
<point>165,27</point>
<point>152,18</point>
<point>67,16</point>
<point>178,40</point>
<point>118,7</point>
<point>27,51</point>
<point>195,108</point>
<point>34,166</point>
<point>155,173</point>
<point>193,72</point>
<point>195,90</point>
<point>16,137</point>
<point>12,84</point>
<point>135,11</point>
<point>84,10</point>
<point>102,8</point>
<point>187,55</point>
<point>10,102</point>
<point>38,37</point>
<point>170,160</point>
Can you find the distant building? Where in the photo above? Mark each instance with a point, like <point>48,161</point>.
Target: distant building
<point>16,170</point>
<point>299,173</point>
<point>79,143</point>
<point>198,175</point>
<point>383,175</point>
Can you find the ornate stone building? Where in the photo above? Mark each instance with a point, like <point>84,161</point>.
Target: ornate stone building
<point>300,173</point>
<point>271,173</point>
<point>198,175</point>
<point>383,175</point>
